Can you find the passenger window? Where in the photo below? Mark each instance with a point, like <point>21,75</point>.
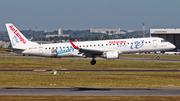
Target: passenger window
<point>94,45</point>
<point>106,44</point>
<point>102,44</point>
<point>45,48</point>
<point>90,45</point>
<point>49,48</point>
<point>87,45</point>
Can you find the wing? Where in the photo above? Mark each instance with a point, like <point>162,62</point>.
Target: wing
<point>87,52</point>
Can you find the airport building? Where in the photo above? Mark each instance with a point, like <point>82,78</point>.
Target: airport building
<point>107,31</point>
<point>4,44</point>
<point>60,33</point>
<point>170,34</point>
<point>3,36</point>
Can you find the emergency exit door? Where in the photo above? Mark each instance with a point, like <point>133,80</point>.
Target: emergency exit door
<point>40,50</point>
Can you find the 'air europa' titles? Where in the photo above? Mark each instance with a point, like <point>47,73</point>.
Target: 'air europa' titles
<point>117,41</point>
<point>17,34</point>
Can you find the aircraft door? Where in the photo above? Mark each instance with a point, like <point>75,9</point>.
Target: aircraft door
<point>155,43</point>
<point>40,50</point>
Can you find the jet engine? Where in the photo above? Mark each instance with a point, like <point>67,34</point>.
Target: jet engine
<point>111,55</point>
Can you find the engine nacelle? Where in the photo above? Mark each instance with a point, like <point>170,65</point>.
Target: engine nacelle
<point>111,55</point>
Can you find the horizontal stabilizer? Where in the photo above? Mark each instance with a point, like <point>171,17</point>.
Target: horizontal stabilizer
<point>14,50</point>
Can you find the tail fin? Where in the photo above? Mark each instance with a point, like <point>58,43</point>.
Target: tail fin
<point>18,40</point>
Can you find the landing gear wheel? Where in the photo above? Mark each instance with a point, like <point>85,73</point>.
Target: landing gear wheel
<point>93,62</point>
<point>158,57</point>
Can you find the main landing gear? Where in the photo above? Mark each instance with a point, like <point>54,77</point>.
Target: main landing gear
<point>93,62</point>
<point>158,57</point>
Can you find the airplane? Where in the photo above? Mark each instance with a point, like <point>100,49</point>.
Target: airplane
<point>108,49</point>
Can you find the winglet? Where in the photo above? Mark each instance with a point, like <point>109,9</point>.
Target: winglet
<point>76,40</point>
<point>74,46</point>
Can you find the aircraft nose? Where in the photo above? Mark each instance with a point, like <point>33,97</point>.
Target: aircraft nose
<point>173,46</point>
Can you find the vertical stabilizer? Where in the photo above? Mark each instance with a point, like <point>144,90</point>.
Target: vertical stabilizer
<point>18,40</point>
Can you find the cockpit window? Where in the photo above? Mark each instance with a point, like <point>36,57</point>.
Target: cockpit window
<point>163,41</point>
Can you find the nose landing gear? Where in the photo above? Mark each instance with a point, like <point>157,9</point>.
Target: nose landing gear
<point>158,57</point>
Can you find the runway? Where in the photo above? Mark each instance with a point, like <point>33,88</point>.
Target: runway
<point>78,91</point>
<point>157,71</point>
<point>128,59</point>
<point>139,59</point>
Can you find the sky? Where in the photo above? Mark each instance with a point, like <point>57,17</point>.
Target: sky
<point>50,15</point>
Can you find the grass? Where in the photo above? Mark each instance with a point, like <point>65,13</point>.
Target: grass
<point>42,79</point>
<point>2,51</point>
<point>30,63</point>
<point>151,56</point>
<point>86,98</point>
<point>80,79</point>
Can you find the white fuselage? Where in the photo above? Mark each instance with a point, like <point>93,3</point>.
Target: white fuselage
<point>109,49</point>
<point>121,45</point>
